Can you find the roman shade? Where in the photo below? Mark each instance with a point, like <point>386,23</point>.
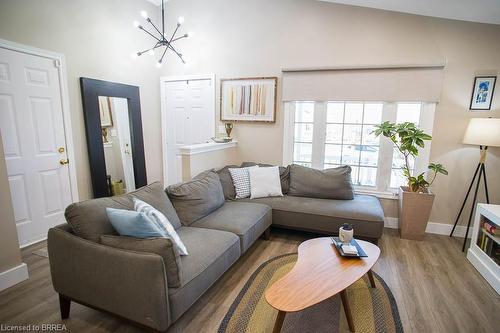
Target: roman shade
<point>388,84</point>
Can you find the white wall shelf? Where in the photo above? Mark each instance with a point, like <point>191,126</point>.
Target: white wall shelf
<point>206,147</point>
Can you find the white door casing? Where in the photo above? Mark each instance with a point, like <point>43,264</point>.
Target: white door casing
<point>35,124</point>
<point>188,117</point>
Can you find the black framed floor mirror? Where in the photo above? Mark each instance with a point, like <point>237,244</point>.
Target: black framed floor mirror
<point>113,126</point>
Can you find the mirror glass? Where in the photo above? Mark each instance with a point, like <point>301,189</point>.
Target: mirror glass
<point>116,138</point>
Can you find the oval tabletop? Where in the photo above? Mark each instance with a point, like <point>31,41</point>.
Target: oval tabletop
<point>320,273</point>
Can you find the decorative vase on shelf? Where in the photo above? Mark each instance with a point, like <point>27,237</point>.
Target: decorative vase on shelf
<point>229,128</point>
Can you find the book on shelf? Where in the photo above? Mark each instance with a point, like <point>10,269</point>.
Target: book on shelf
<point>491,228</point>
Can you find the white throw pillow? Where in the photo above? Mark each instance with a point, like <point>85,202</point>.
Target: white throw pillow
<point>241,181</point>
<point>265,182</point>
<point>162,222</point>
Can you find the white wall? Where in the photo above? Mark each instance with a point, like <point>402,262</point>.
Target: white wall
<point>260,37</point>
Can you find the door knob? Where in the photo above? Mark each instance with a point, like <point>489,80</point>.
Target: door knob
<point>63,161</point>
<point>61,150</point>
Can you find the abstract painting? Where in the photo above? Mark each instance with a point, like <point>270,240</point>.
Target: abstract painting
<point>482,92</point>
<point>248,99</point>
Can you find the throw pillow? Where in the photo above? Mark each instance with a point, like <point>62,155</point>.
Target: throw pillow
<point>197,198</point>
<point>284,174</point>
<point>162,222</point>
<point>328,184</point>
<point>241,181</point>
<point>227,182</point>
<point>133,224</point>
<point>164,247</point>
<point>265,182</point>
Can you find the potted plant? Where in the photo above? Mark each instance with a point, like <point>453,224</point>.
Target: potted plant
<point>415,199</point>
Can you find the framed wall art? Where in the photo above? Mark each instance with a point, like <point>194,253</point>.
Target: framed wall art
<point>248,99</point>
<point>482,92</point>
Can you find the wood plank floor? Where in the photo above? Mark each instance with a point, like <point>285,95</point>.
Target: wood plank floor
<point>435,287</point>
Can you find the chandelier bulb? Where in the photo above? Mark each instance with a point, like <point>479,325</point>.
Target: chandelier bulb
<point>133,55</point>
<point>136,24</point>
<point>180,20</point>
<point>190,34</point>
<point>144,14</point>
<point>158,64</point>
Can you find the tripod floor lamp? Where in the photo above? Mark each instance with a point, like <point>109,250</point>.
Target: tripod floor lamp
<point>482,132</point>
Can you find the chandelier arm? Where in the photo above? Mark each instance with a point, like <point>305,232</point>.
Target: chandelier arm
<point>154,26</point>
<point>181,37</point>
<point>175,51</point>
<point>173,35</point>
<point>153,48</point>
<point>163,55</point>
<point>143,29</point>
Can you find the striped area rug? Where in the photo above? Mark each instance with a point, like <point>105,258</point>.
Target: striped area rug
<point>373,310</point>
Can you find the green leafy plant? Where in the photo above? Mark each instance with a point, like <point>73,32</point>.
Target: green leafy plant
<point>407,138</point>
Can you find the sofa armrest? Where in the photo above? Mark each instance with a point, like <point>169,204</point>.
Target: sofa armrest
<point>130,284</point>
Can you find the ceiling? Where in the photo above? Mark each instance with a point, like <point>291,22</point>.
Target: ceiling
<point>484,11</point>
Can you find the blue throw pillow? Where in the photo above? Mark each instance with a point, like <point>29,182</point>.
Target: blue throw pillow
<point>133,224</point>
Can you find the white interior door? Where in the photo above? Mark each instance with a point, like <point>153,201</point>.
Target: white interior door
<point>32,127</point>
<point>189,118</point>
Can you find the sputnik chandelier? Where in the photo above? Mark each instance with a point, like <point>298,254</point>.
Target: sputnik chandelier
<point>160,37</point>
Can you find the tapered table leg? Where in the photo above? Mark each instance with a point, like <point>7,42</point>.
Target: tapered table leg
<point>372,280</point>
<point>347,310</point>
<point>279,322</point>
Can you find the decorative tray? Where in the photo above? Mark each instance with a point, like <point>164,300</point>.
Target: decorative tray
<point>338,244</point>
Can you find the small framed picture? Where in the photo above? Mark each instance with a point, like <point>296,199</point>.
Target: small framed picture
<point>248,99</point>
<point>482,92</point>
<point>105,111</point>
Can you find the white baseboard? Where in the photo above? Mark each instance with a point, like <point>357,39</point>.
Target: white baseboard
<point>432,227</point>
<point>13,276</point>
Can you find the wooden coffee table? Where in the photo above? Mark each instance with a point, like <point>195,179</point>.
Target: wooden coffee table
<point>320,273</point>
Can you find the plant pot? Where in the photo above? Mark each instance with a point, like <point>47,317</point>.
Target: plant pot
<point>414,211</point>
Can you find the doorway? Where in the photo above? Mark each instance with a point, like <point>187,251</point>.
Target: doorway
<point>188,117</point>
<point>36,135</point>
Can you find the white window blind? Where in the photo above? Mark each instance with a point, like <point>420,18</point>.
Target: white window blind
<point>364,84</point>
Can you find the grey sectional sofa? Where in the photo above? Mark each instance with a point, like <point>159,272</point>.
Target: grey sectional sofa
<point>134,284</point>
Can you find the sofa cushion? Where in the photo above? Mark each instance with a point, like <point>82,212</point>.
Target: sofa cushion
<point>328,184</point>
<point>284,174</point>
<point>196,198</point>
<point>211,253</point>
<point>88,219</point>
<point>245,219</point>
<point>227,182</point>
<point>265,182</point>
<point>327,215</point>
<point>164,247</point>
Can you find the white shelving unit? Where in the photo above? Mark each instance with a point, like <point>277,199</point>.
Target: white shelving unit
<point>485,247</point>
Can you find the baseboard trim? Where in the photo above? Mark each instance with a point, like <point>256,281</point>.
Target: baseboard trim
<point>13,276</point>
<point>432,227</point>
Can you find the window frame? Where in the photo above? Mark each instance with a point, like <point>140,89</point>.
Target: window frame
<point>384,166</point>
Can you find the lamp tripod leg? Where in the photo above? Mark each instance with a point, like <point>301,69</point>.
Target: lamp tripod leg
<point>486,185</point>
<point>465,200</point>
<point>472,209</point>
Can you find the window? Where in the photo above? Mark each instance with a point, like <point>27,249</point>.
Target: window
<point>303,133</point>
<point>349,139</point>
<point>330,134</point>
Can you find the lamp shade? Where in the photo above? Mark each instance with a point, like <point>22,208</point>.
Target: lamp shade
<point>483,132</point>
